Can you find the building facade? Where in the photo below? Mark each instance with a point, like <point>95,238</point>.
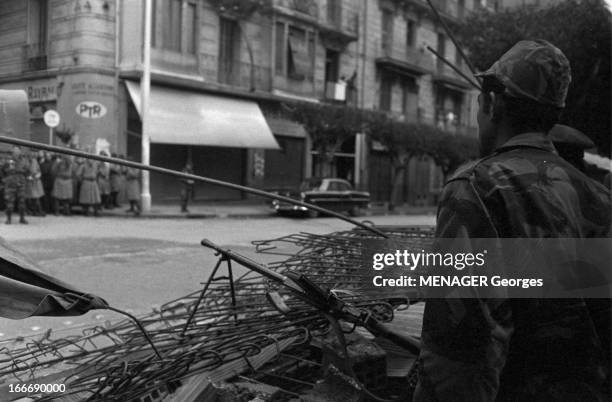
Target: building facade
<point>222,74</point>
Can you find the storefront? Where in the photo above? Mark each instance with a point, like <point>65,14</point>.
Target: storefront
<point>86,103</point>
<point>223,138</point>
<point>287,166</point>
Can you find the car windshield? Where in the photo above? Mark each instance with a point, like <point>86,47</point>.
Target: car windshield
<point>310,184</point>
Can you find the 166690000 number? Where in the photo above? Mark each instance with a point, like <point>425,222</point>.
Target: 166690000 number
<point>37,388</point>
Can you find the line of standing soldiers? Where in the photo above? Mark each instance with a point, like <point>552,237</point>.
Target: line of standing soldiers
<point>62,181</point>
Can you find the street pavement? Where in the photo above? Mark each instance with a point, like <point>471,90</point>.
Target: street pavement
<point>140,264</point>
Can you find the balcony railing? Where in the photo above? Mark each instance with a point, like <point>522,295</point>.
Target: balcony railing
<point>446,74</point>
<point>343,20</point>
<point>339,28</point>
<point>238,74</point>
<point>35,57</point>
<point>407,58</point>
<point>447,8</point>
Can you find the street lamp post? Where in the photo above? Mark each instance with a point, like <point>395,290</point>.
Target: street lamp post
<point>145,87</point>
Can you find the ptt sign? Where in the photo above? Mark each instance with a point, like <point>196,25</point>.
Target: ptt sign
<point>91,110</point>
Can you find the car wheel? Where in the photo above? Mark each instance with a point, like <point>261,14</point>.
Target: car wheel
<point>312,213</point>
<point>355,211</point>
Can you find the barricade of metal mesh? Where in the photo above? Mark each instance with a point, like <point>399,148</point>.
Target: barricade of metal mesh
<point>223,332</point>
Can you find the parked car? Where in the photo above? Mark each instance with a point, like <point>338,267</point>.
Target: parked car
<point>335,194</point>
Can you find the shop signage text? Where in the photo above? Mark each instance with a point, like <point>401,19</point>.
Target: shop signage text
<point>91,110</point>
<point>37,93</point>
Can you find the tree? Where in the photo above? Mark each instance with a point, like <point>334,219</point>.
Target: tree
<point>451,151</point>
<point>406,140</point>
<point>581,29</point>
<point>329,126</point>
<point>403,141</point>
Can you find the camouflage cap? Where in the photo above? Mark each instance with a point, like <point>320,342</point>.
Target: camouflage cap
<point>533,69</point>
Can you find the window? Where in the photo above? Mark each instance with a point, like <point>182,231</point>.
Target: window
<point>36,49</point>
<point>458,58</point>
<point>332,65</point>
<point>410,99</point>
<point>295,52</point>
<point>410,33</point>
<point>387,29</point>
<point>386,85</point>
<point>449,106</point>
<point>281,53</point>
<point>461,8</point>
<point>178,20</point>
<point>229,48</point>
<point>172,25</point>
<point>37,24</point>
<point>338,186</point>
<point>334,10</point>
<point>190,41</point>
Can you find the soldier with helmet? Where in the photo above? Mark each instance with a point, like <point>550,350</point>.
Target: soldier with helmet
<point>16,170</point>
<point>518,349</point>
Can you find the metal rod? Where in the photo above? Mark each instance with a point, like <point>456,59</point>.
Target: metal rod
<point>452,37</point>
<point>230,274</point>
<point>250,190</point>
<point>142,329</point>
<point>195,307</point>
<point>455,68</point>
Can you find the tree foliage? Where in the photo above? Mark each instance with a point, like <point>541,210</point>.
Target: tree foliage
<point>451,151</point>
<point>581,29</point>
<point>329,126</point>
<point>405,140</point>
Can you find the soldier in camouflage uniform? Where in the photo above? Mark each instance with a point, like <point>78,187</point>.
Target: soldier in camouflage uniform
<point>511,349</point>
<point>15,171</point>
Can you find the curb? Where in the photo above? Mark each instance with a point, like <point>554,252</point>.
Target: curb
<point>252,215</point>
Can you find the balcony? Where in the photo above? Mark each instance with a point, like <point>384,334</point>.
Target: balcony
<point>404,60</point>
<point>447,8</point>
<point>240,74</point>
<point>339,28</point>
<point>448,77</point>
<point>35,57</point>
<point>335,91</point>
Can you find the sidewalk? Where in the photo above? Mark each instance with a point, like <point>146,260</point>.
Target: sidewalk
<point>244,209</point>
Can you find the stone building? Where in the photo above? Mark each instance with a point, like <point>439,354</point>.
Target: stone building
<point>252,58</point>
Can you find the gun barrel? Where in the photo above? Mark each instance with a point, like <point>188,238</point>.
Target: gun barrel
<point>250,264</point>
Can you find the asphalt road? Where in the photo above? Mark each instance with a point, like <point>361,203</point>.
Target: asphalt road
<point>138,264</point>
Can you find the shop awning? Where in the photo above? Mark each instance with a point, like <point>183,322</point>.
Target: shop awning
<point>286,128</point>
<point>191,118</point>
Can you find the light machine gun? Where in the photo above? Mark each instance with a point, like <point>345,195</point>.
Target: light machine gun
<point>327,302</point>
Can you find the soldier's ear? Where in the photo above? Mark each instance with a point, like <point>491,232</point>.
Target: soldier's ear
<point>497,108</point>
<point>485,101</point>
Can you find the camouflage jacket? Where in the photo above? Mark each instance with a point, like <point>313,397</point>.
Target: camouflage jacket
<point>15,171</point>
<point>506,349</point>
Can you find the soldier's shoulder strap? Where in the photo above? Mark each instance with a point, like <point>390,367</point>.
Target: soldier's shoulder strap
<point>465,171</point>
